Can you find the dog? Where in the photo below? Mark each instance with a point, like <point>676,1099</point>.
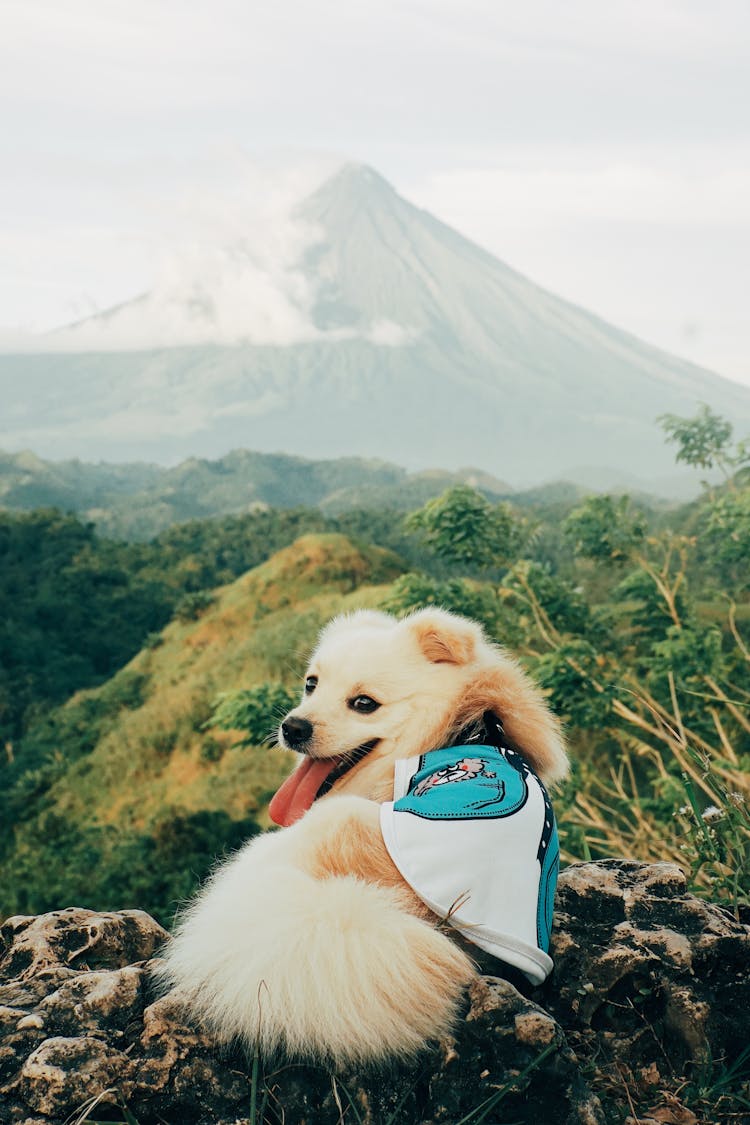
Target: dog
<point>347,936</point>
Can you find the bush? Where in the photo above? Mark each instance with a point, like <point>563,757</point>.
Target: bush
<point>470,599</point>
<point>211,750</point>
<point>103,869</point>
<point>192,606</point>
<point>256,711</point>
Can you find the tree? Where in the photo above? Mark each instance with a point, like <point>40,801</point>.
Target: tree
<point>703,441</point>
<point>605,529</point>
<point>727,535</point>
<point>465,528</point>
<point>610,531</point>
<point>256,711</point>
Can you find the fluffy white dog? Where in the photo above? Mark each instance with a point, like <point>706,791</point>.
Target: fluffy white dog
<point>415,815</point>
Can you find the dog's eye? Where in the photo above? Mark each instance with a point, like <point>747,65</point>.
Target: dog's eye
<point>310,684</point>
<point>364,704</point>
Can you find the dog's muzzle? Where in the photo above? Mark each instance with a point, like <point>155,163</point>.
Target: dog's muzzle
<point>296,732</point>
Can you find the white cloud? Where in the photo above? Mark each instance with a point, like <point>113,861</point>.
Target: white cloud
<point>226,270</point>
<point>226,265</point>
<point>388,334</point>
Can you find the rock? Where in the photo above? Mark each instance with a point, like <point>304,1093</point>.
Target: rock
<point>63,1074</point>
<point>648,980</point>
<point>639,962</point>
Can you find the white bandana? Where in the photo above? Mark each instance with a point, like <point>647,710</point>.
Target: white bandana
<point>472,832</point>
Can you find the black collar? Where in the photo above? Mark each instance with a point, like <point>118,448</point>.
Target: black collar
<point>487,731</point>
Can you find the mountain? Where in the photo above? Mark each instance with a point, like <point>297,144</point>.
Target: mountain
<point>27,482</point>
<point>137,501</point>
<point>373,329</point>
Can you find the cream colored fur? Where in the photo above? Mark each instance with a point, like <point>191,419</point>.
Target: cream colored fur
<point>308,939</point>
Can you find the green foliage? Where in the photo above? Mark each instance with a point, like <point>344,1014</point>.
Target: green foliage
<point>72,611</point>
<point>74,608</point>
<point>257,711</point>
<point>647,613</point>
<point>203,554</point>
<point>562,602</point>
<point>718,1088</point>
<point>54,743</point>
<point>161,742</point>
<point>716,837</point>
<point>137,501</point>
<point>192,606</point>
<point>727,535</point>
<point>465,528</point>
<point>211,750</point>
<point>702,441</point>
<point>605,529</point>
<point>113,869</point>
<point>572,676</point>
<point>470,599</point>
<point>689,654</point>
<point>648,663</point>
<point>653,687</point>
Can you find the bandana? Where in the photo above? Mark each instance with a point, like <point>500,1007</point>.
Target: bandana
<point>472,831</point>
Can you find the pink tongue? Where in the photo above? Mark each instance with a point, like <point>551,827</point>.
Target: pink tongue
<point>299,790</point>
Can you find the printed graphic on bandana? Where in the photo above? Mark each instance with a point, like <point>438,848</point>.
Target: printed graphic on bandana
<point>464,783</point>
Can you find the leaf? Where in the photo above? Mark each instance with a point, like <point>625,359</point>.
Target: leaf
<point>675,1113</point>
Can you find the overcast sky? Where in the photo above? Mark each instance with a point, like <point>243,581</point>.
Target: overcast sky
<point>601,148</point>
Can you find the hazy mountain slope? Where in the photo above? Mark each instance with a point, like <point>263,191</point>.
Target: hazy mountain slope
<point>127,760</point>
<point>27,481</point>
<point>138,501</point>
<point>401,340</point>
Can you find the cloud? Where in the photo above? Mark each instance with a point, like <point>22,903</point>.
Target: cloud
<point>388,334</point>
<point>229,267</point>
<point>225,286</point>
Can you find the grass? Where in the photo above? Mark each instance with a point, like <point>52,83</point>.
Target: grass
<point>715,1086</point>
<point>153,759</point>
<point>481,1111</point>
<point>686,807</point>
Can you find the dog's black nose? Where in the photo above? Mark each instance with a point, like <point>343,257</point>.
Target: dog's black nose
<point>296,731</point>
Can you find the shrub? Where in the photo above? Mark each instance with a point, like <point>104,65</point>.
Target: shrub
<point>470,599</point>
<point>211,749</point>
<point>256,711</point>
<point>192,606</point>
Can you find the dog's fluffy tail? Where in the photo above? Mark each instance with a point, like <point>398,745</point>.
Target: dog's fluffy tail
<point>338,970</point>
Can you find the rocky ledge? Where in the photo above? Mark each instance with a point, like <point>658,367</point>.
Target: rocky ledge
<point>643,1019</point>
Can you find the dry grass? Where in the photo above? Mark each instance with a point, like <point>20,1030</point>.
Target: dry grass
<point>672,795</point>
<point>151,760</point>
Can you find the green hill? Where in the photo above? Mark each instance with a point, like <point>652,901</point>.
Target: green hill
<point>634,623</point>
<point>138,501</point>
<point>124,794</point>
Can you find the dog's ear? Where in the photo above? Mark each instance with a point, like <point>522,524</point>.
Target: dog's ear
<point>443,637</point>
<point>502,687</point>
